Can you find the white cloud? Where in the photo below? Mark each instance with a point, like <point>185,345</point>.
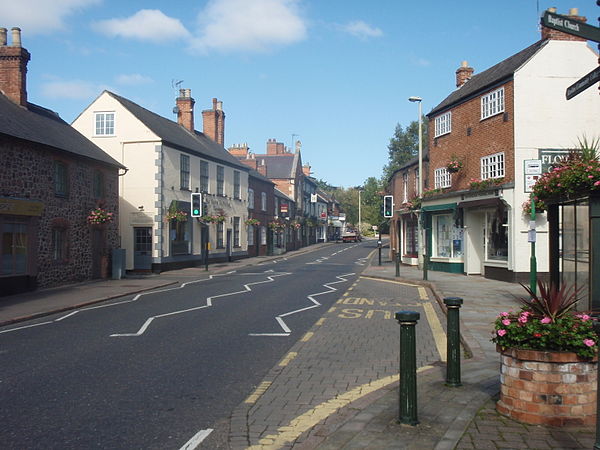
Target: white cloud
<point>72,89</point>
<point>133,79</point>
<point>145,25</point>
<point>361,29</point>
<point>242,25</point>
<point>40,16</point>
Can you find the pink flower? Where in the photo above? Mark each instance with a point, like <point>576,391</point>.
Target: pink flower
<point>597,183</point>
<point>590,176</point>
<point>583,317</point>
<point>502,332</point>
<point>523,318</point>
<point>506,322</point>
<point>546,320</point>
<point>504,314</point>
<point>588,342</point>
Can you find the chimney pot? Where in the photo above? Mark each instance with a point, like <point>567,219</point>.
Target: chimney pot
<point>16,37</point>
<point>185,109</point>
<point>574,12</point>
<point>463,74</point>
<point>3,36</point>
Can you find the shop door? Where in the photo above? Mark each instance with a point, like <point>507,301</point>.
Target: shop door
<point>142,248</point>
<point>474,243</point>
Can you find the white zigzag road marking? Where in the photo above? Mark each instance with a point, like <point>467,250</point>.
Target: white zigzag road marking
<point>134,299</point>
<point>286,330</point>
<point>208,304</point>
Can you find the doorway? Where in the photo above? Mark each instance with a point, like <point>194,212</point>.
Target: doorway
<point>142,248</point>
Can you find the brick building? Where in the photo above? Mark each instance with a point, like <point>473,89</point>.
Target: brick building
<point>491,124</point>
<point>261,207</point>
<point>51,178</point>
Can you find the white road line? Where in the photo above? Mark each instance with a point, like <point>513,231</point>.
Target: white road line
<point>197,439</point>
<point>209,303</point>
<point>315,304</point>
<point>24,327</point>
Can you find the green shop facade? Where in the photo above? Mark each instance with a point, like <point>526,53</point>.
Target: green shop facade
<point>469,233</point>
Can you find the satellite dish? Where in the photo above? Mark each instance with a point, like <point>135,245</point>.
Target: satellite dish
<point>175,110</point>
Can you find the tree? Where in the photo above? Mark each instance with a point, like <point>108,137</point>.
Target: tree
<point>404,146</point>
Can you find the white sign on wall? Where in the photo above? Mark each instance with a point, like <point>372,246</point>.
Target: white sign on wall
<point>533,171</point>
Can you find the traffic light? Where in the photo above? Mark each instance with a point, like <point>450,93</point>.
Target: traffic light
<point>196,198</point>
<point>388,206</point>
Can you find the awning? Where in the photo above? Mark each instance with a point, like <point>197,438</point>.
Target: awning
<point>443,207</point>
<point>491,202</point>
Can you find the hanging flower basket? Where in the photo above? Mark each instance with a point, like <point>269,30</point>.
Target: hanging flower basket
<point>277,226</point>
<point>475,184</point>
<point>99,216</point>
<point>454,165</point>
<point>209,218</point>
<point>540,206</point>
<point>252,222</point>
<point>177,216</point>
<point>295,224</point>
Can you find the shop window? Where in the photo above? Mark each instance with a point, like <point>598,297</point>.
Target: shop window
<point>13,248</point>
<point>496,235</point>
<point>447,238</point>
<point>180,233</point>
<point>410,236</point>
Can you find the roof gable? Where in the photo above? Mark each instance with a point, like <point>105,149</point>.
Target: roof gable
<point>489,78</point>
<point>43,126</point>
<point>178,136</point>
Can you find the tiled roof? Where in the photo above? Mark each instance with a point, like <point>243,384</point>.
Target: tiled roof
<point>278,166</point>
<point>178,136</point>
<point>489,78</point>
<point>43,126</point>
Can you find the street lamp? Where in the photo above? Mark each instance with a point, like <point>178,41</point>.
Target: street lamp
<point>359,211</point>
<point>420,239</point>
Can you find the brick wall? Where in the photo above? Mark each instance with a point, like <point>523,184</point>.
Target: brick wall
<point>28,173</point>
<point>471,138</point>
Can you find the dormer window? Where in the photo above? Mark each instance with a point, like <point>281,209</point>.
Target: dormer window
<point>492,103</point>
<point>105,123</point>
<point>443,124</point>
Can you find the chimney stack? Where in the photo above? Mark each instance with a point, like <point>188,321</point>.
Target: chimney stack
<point>213,121</point>
<point>549,33</point>
<point>13,67</point>
<point>240,151</point>
<point>185,109</point>
<point>306,170</point>
<point>275,148</point>
<point>463,74</point>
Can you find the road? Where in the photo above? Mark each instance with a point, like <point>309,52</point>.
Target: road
<point>153,370</point>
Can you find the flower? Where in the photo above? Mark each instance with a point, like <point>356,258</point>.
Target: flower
<point>475,184</point>
<point>252,222</point>
<point>99,216</point>
<point>454,165</point>
<point>547,322</point>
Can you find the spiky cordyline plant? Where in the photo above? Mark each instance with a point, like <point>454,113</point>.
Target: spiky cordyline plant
<point>552,302</point>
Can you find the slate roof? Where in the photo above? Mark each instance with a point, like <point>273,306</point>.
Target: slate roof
<point>178,136</point>
<point>487,79</point>
<point>254,174</point>
<point>279,166</point>
<point>278,193</point>
<point>43,126</point>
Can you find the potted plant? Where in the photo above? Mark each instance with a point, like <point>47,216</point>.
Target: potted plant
<point>549,359</point>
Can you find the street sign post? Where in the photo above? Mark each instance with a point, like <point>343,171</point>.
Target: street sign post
<point>583,83</point>
<point>571,26</point>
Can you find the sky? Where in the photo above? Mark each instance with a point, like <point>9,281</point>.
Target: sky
<point>334,74</point>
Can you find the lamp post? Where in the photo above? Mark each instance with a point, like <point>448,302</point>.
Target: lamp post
<point>420,239</point>
<point>359,211</point>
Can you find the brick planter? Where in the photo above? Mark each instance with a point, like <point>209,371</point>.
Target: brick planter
<point>547,388</point>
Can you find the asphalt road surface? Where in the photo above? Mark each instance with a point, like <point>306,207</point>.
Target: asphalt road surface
<point>154,370</point>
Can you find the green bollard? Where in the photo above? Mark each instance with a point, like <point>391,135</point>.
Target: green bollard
<point>408,367</point>
<point>596,326</point>
<point>453,342</point>
<point>398,264</point>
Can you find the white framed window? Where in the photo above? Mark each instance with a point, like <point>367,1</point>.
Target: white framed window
<point>220,180</point>
<point>263,235</point>
<point>404,187</point>
<point>236,231</point>
<point>104,123</point>
<point>184,172</point>
<point>443,178</point>
<point>204,176</point>
<point>492,103</point>
<point>250,198</point>
<point>250,231</point>
<point>443,124</point>
<point>263,201</point>
<point>492,166</point>
<point>236,185</point>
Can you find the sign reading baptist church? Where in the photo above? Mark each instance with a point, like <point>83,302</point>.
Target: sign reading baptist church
<point>571,26</point>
